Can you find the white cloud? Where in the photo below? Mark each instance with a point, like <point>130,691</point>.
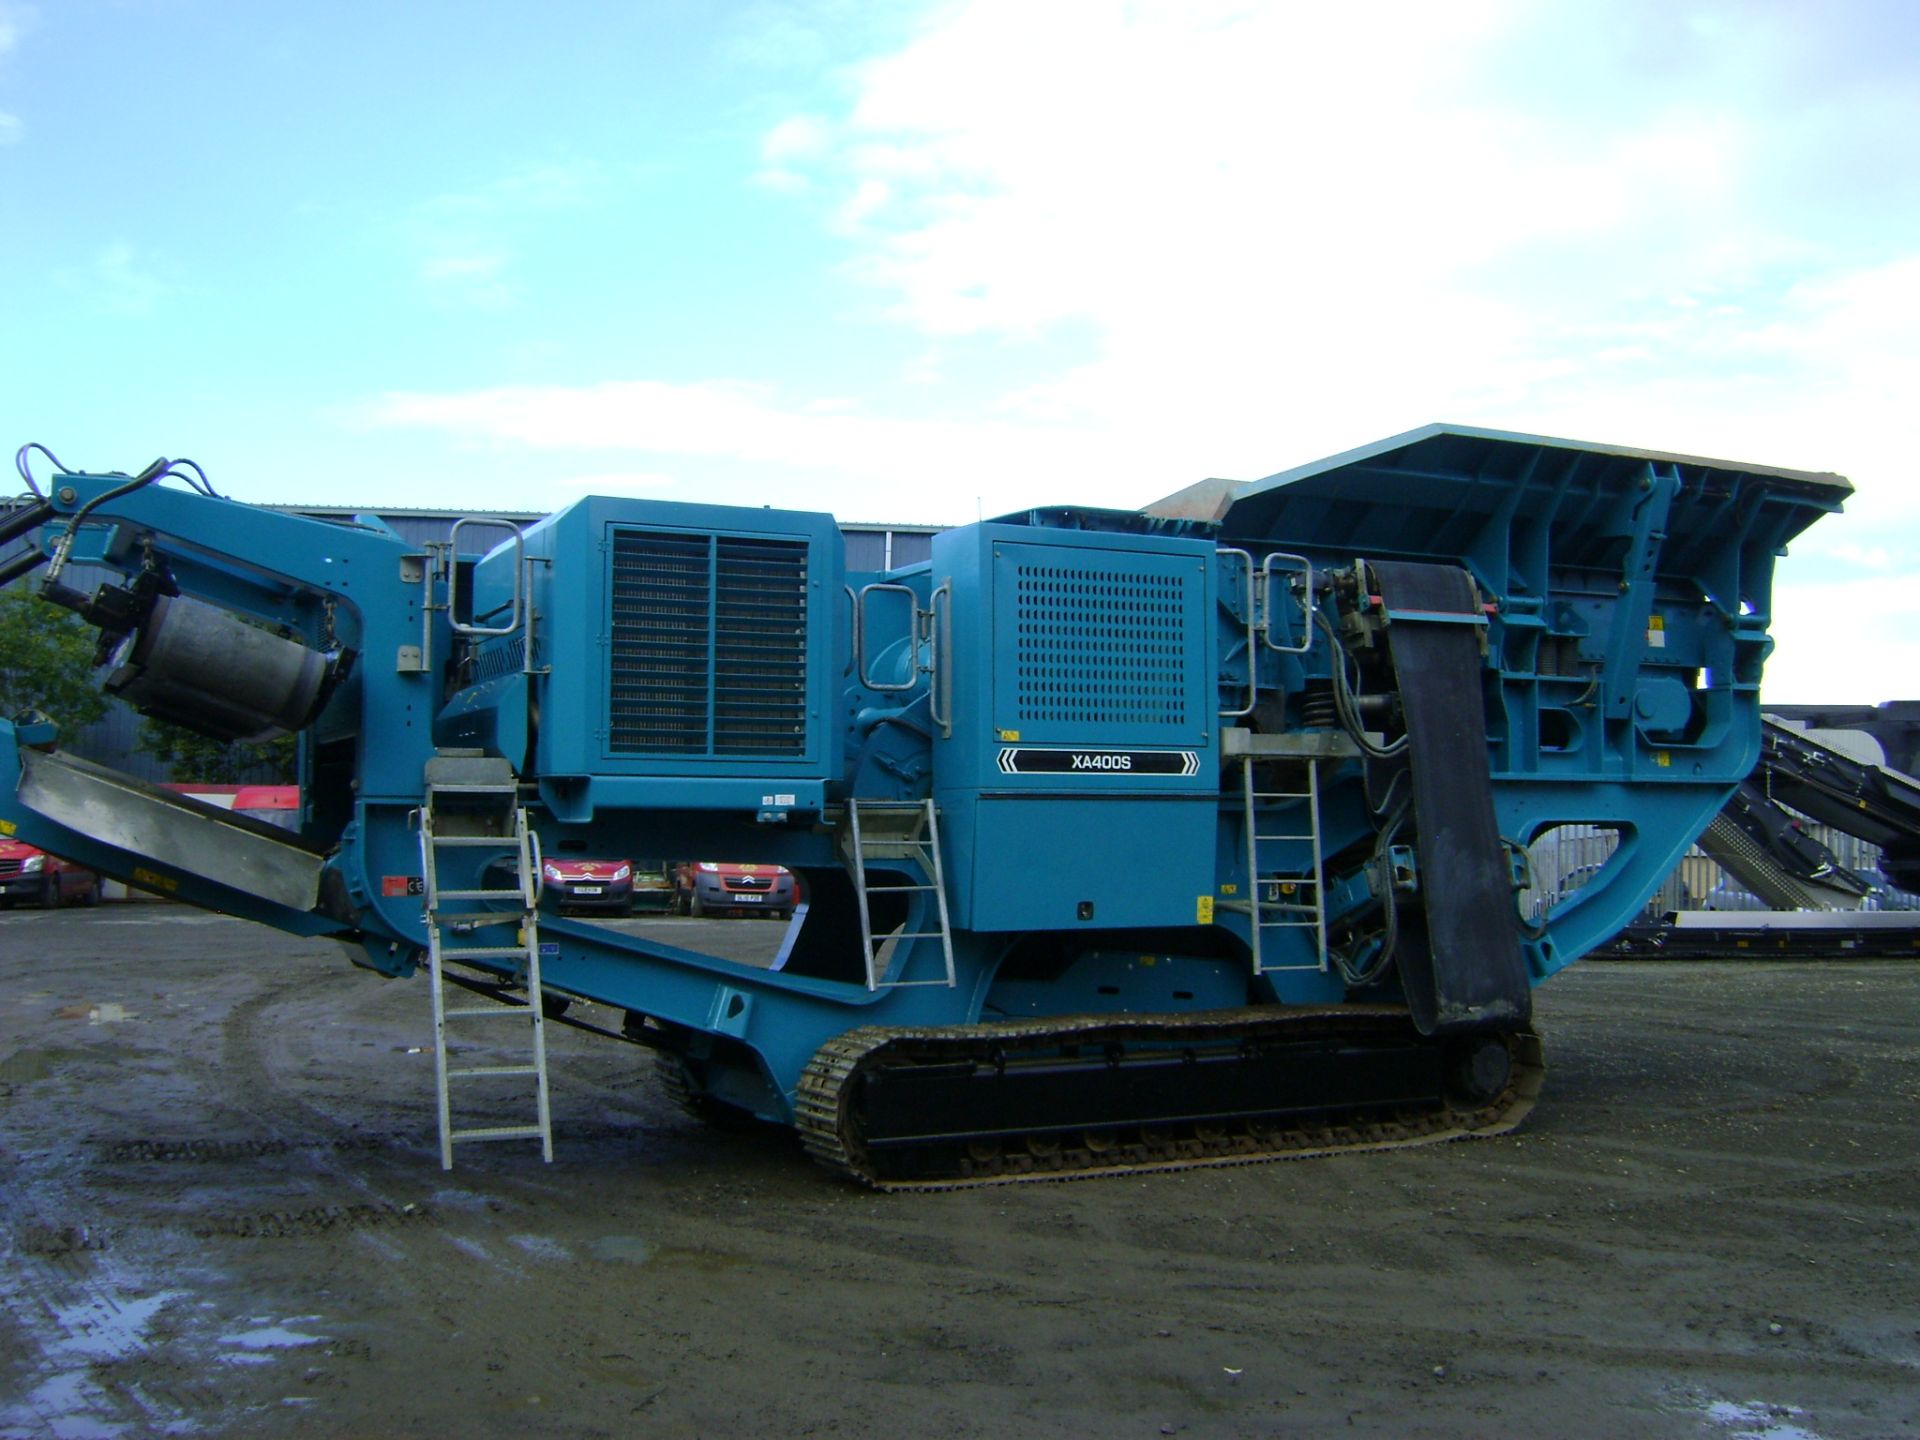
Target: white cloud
<point>117,281</point>
<point>1262,233</point>
<point>1291,228</point>
<point>465,242</point>
<point>798,137</point>
<point>1821,632</point>
<point>765,445</point>
<point>781,181</point>
<point>14,20</point>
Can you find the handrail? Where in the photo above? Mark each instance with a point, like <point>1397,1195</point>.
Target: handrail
<point>940,642</point>
<point>461,627</point>
<point>1265,594</point>
<point>860,635</point>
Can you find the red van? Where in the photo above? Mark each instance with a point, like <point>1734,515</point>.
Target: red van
<point>30,874</point>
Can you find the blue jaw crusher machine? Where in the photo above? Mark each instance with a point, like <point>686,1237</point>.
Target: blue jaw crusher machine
<point>1127,840</point>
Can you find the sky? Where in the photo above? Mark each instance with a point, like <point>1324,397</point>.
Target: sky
<point>924,262</point>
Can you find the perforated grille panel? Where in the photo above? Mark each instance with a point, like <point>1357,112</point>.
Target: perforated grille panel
<point>1101,646</point>
<point>709,645</point>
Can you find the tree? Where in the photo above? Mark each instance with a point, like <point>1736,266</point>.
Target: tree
<point>194,757</point>
<point>46,661</point>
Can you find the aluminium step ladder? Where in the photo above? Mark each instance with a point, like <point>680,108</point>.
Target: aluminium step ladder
<point>898,830</point>
<point>1298,903</point>
<point>473,803</point>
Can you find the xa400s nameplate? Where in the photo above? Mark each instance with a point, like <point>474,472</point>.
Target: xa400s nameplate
<point>1032,760</point>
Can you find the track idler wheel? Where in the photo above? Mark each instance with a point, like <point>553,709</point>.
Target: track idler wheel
<point>1479,1068</point>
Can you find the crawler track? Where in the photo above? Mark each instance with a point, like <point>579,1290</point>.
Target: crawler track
<point>1061,1099</point>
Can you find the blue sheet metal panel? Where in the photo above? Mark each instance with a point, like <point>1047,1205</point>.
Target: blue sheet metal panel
<point>687,640</point>
<point>315,578</point>
<point>1092,644</point>
<point>1081,768</point>
<point>1465,469</point>
<point>1080,662</point>
<point>1515,506</point>
<point>1631,581</point>
<point>1076,863</point>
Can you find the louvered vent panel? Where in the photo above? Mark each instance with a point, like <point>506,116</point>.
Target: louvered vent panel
<point>662,603</point>
<point>760,648</point>
<point>1101,646</point>
<point>709,646</point>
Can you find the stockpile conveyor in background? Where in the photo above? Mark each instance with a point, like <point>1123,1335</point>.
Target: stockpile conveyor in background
<point>1814,904</point>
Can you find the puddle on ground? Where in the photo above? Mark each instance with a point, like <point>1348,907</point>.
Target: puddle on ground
<point>541,1247</point>
<point>257,1346</point>
<point>1754,1420</point>
<point>68,1401</point>
<point>635,1251</point>
<point>630,1248</point>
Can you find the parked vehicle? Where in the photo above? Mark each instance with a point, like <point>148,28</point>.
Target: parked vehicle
<point>32,875</point>
<point>271,804</point>
<point>589,884</point>
<point>711,887</point>
<point>653,888</point>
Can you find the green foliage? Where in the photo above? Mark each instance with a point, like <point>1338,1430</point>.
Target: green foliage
<point>195,758</point>
<point>46,661</point>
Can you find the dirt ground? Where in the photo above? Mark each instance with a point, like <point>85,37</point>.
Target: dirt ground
<point>222,1213</point>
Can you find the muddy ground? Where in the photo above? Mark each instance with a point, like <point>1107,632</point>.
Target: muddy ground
<point>222,1213</point>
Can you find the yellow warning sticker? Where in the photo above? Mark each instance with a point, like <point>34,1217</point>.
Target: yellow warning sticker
<point>1657,632</point>
<point>148,880</point>
<point>1203,910</point>
<point>1008,737</point>
<point>7,827</point>
<point>1663,758</point>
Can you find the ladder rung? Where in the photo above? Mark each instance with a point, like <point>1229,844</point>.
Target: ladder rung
<point>445,918</point>
<point>466,1071</point>
<point>467,952</point>
<point>513,894</point>
<point>496,788</point>
<point>897,889</point>
<point>499,1132</point>
<point>497,841</point>
<point>508,1008</point>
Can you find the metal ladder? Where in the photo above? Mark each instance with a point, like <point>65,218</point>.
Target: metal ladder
<point>899,830</point>
<point>1298,912</point>
<point>473,803</point>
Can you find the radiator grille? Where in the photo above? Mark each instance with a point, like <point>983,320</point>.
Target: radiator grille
<point>709,645</point>
<point>1101,646</point>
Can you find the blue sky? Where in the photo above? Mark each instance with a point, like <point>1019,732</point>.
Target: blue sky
<point>918,262</point>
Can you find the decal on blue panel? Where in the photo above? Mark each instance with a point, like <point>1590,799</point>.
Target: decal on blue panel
<point>1034,760</point>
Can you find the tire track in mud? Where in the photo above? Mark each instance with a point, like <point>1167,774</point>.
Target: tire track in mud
<point>118,1315</point>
